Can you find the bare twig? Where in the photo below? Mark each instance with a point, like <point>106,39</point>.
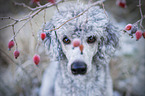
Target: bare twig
<point>13,28</point>
<point>104,8</point>
<point>15,22</point>
<point>44,19</point>
<point>32,30</point>
<point>136,23</point>
<point>2,18</point>
<point>44,16</point>
<point>40,8</point>
<point>24,5</point>
<point>47,5</point>
<point>34,12</point>
<point>57,8</point>
<point>96,3</point>
<point>15,62</point>
<point>21,27</point>
<point>142,17</point>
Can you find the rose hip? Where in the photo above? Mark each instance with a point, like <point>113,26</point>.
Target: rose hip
<point>128,27</point>
<point>10,44</point>
<point>81,48</point>
<point>122,4</point>
<point>16,54</point>
<point>143,34</point>
<point>138,34</point>
<point>36,59</point>
<point>43,35</point>
<point>76,43</point>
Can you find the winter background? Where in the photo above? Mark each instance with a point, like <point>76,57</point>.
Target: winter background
<point>21,77</point>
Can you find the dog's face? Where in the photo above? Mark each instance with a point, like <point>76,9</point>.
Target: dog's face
<point>79,60</point>
<point>81,37</point>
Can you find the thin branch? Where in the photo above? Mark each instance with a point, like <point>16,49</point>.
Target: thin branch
<point>21,27</point>
<point>142,17</point>
<point>24,5</point>
<point>34,12</point>
<point>9,25</point>
<point>47,5</point>
<point>57,8</point>
<point>136,23</point>
<point>140,9</point>
<point>44,19</point>
<point>2,18</point>
<point>44,16</point>
<point>32,30</point>
<point>96,3</point>
<point>104,8</point>
<point>39,9</point>
<point>14,62</point>
<point>13,28</point>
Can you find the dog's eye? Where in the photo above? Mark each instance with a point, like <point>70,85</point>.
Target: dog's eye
<point>66,40</point>
<point>91,39</point>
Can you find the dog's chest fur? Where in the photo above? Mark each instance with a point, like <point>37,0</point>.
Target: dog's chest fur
<point>93,84</point>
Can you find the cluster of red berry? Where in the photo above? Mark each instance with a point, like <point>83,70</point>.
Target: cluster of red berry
<point>11,45</point>
<point>36,58</point>
<point>130,29</point>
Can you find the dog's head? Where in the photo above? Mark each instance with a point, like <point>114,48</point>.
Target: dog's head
<point>83,40</point>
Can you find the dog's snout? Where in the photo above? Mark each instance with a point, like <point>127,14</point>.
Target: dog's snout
<point>78,68</point>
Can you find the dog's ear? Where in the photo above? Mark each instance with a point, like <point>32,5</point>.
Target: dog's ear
<point>112,39</point>
<point>51,41</point>
<point>108,42</point>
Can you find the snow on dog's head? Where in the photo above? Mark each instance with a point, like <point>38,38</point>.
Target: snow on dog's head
<point>95,35</point>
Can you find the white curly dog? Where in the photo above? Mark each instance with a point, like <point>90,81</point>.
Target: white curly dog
<point>82,49</point>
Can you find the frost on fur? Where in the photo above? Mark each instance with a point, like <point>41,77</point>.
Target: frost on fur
<point>97,24</point>
<point>96,56</point>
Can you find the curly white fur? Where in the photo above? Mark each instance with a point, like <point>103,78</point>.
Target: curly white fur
<point>58,79</point>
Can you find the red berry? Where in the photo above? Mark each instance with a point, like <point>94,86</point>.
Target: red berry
<point>128,27</point>
<point>10,44</point>
<point>16,54</point>
<point>81,48</point>
<point>138,34</point>
<point>52,1</point>
<point>143,34</point>
<point>43,35</point>
<point>36,59</point>
<point>122,4</point>
<point>76,43</point>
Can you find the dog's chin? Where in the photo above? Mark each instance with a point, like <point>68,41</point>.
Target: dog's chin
<point>79,77</point>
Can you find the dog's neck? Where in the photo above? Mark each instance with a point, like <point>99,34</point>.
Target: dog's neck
<point>94,83</point>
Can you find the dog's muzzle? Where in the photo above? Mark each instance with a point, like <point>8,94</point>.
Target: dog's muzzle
<point>78,67</point>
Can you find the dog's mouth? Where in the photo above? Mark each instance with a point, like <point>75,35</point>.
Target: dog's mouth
<point>78,68</point>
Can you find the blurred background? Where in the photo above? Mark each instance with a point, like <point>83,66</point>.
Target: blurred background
<point>21,77</point>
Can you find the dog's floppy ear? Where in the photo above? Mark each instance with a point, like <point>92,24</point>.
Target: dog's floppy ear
<point>51,41</point>
<point>112,39</point>
<point>108,42</point>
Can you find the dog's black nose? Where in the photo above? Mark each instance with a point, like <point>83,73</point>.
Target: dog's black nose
<point>78,68</point>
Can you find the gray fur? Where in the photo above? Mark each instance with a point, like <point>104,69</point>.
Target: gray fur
<point>97,81</point>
